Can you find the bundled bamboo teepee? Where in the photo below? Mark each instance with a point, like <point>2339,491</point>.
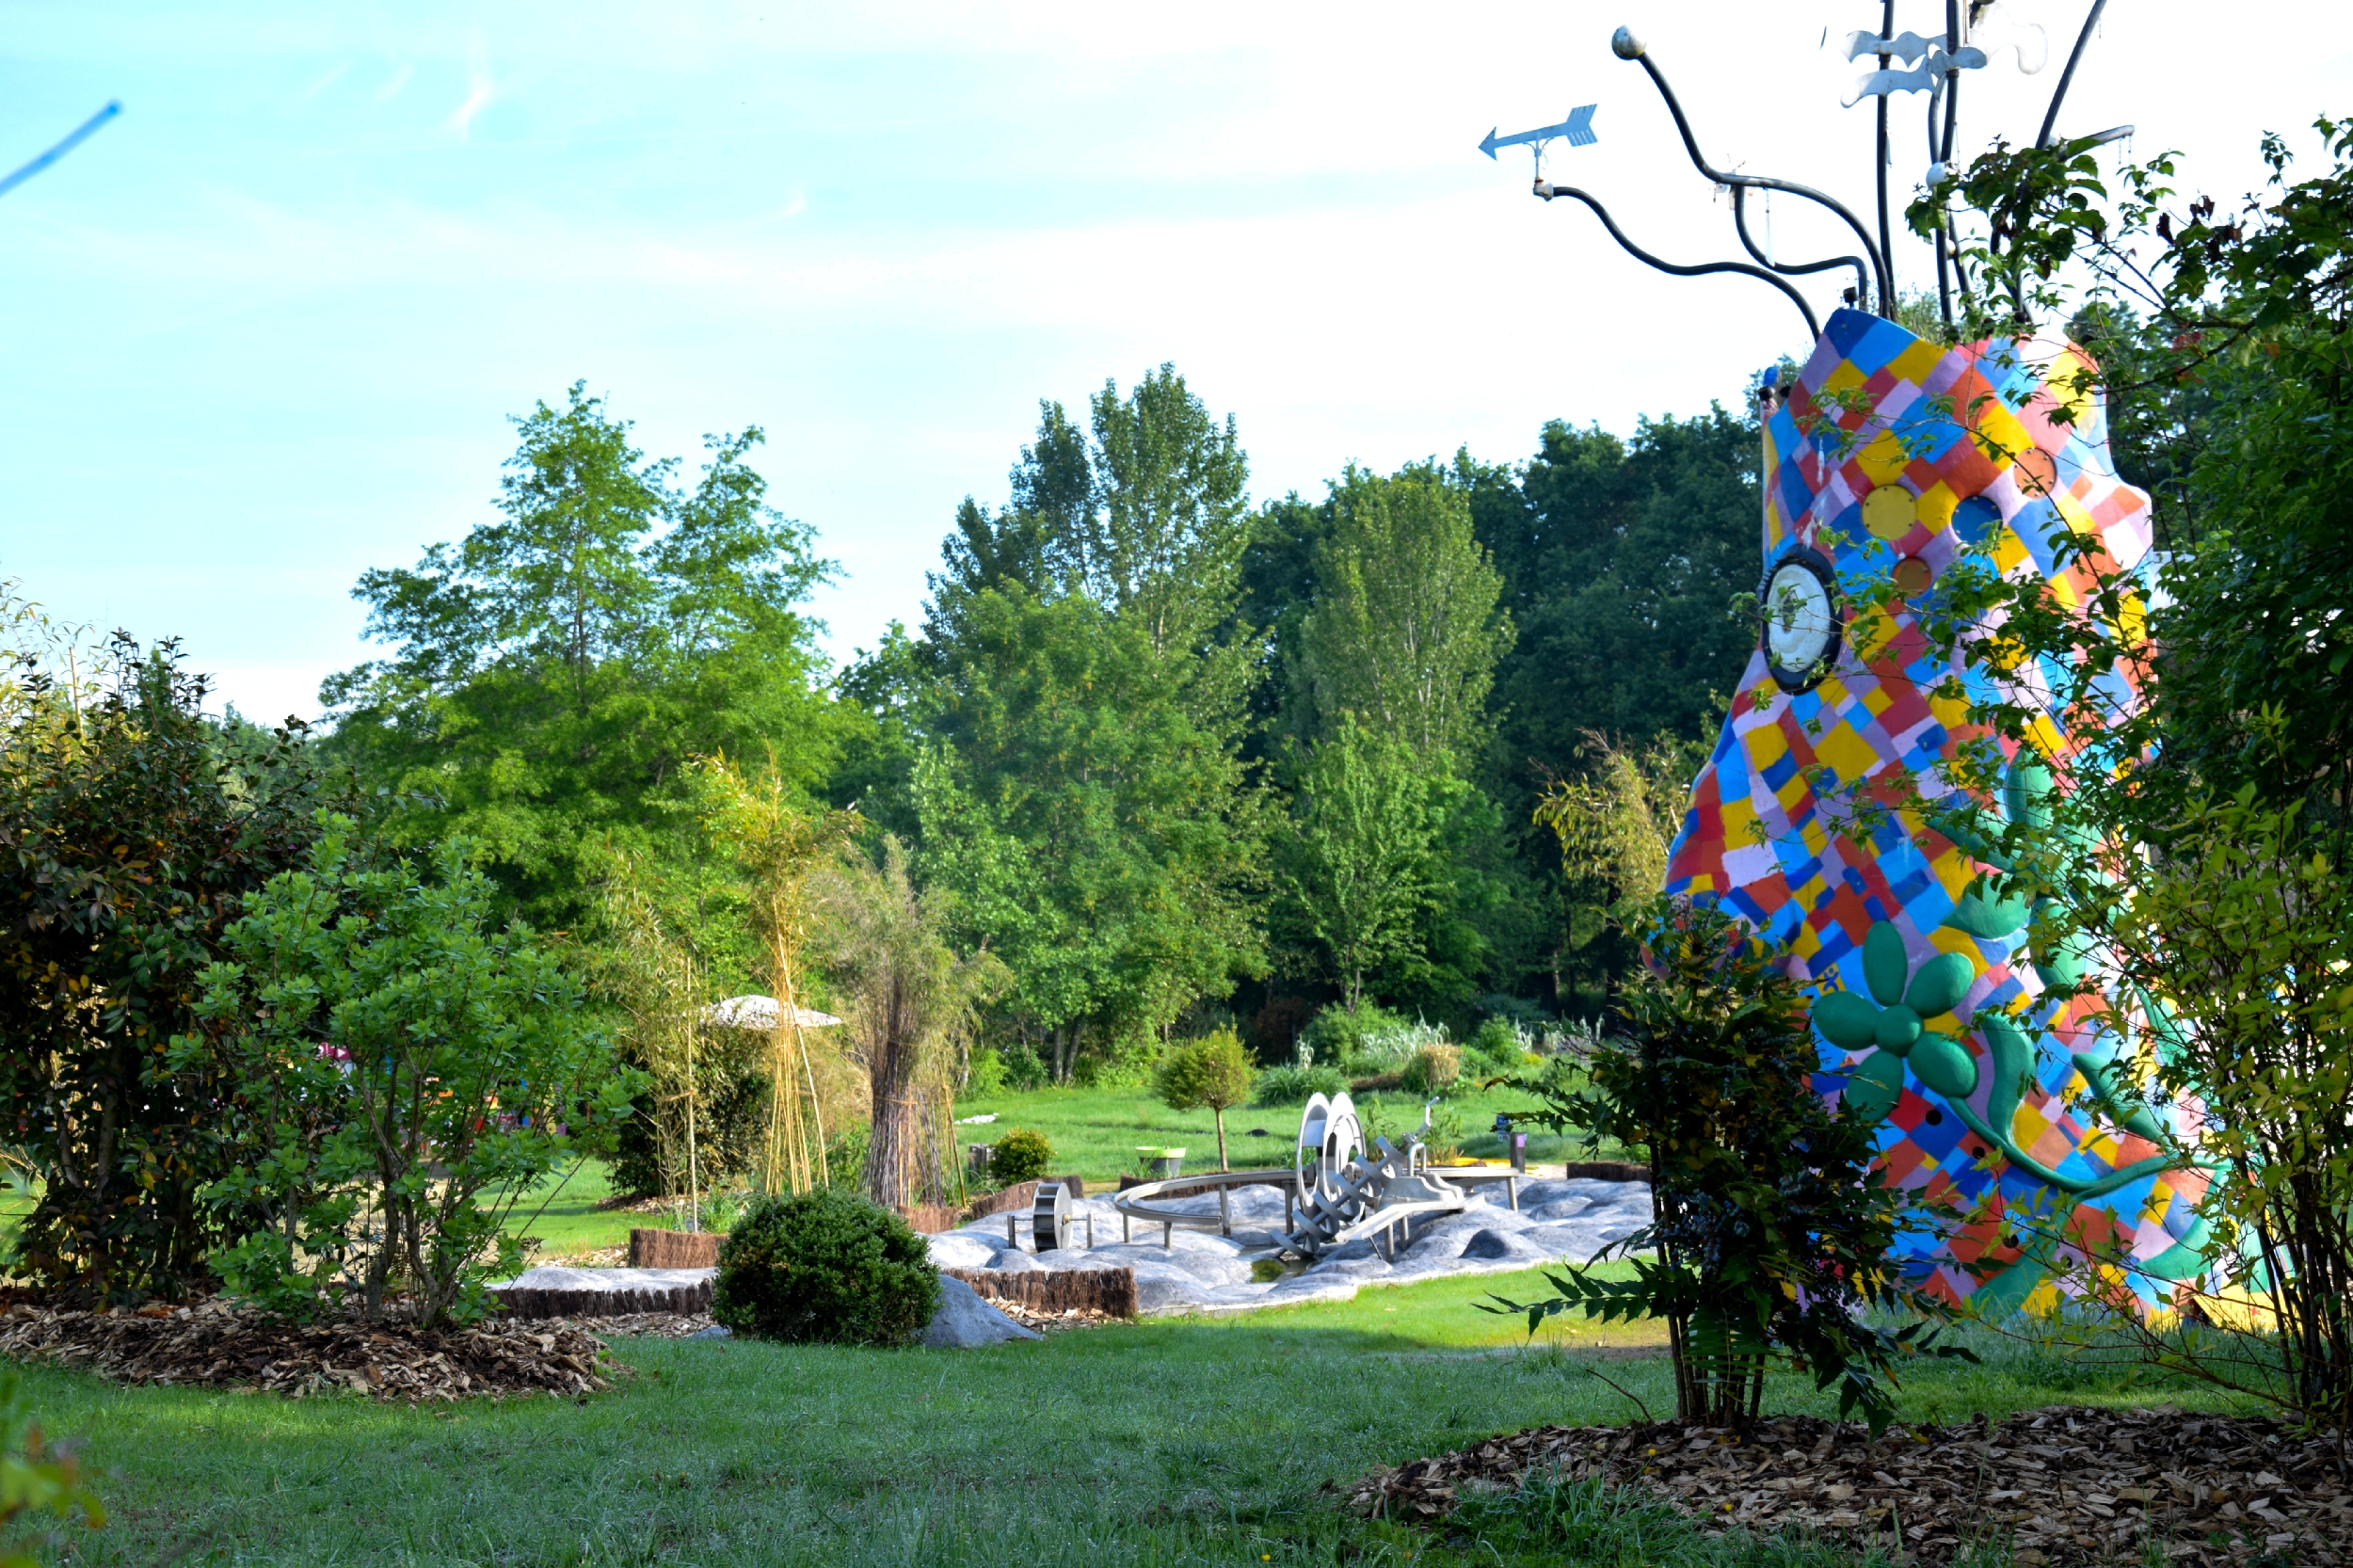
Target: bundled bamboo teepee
<point>781,845</point>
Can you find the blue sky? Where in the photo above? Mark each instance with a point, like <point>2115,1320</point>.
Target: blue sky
<point>266,330</point>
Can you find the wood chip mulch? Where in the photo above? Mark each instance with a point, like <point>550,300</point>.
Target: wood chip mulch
<point>216,1344</point>
<point>2066,1484</point>
<point>1056,1322</point>
<point>646,1325</point>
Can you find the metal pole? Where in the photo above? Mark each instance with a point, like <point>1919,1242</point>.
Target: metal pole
<point>1888,244</point>
<point>1943,151</point>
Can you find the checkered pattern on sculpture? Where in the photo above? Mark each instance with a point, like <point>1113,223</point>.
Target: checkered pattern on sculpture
<point>1753,839</point>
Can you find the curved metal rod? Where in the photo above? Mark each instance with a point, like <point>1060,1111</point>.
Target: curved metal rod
<point>1793,269</point>
<point>2067,78</point>
<point>1813,327</point>
<point>1722,177</point>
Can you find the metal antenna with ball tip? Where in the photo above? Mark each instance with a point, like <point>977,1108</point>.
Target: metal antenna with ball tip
<point>80,134</point>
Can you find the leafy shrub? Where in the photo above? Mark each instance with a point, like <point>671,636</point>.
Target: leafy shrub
<point>1772,1225</point>
<point>1392,1050</point>
<point>1337,1035</point>
<point>825,1266</point>
<point>1212,1071</point>
<point>845,1154</point>
<point>986,1075</point>
<point>1436,1068</point>
<point>407,1072</point>
<point>1294,1085</point>
<point>1025,1069</point>
<point>135,826</point>
<point>1022,1155</point>
<point>1130,1065</point>
<point>1500,1044</point>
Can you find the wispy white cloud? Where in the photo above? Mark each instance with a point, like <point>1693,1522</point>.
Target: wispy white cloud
<point>480,92</point>
<point>398,80</point>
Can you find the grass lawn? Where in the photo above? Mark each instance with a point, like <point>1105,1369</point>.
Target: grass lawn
<point>1172,1442</point>
<point>1096,1132</point>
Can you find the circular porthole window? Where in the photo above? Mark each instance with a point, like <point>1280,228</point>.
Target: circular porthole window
<point>1800,604</point>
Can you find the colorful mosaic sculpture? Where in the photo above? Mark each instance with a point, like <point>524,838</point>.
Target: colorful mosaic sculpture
<point>1931,1011</point>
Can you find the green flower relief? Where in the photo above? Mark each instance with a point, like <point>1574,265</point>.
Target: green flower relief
<point>1892,1023</point>
<point>1895,1018</point>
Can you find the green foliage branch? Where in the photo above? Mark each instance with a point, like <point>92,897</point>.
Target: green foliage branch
<point>35,1476</point>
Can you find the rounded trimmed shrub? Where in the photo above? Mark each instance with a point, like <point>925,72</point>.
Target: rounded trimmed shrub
<point>828,1267</point>
<point>1022,1155</point>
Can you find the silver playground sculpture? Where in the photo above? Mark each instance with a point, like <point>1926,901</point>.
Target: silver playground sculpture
<point>1337,1189</point>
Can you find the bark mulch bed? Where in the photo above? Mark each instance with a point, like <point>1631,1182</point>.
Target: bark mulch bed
<point>2066,1484</point>
<point>215,1344</point>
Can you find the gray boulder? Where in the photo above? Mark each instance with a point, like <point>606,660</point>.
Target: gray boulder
<point>963,1320</point>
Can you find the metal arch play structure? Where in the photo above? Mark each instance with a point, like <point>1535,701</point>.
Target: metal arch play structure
<point>1888,458</point>
<point>1337,1189</point>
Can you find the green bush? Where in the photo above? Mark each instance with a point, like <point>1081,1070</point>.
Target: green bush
<point>1497,1044</point>
<point>828,1267</point>
<point>1022,1155</point>
<point>1294,1085</point>
<point>845,1155</point>
<point>1337,1036</point>
<point>986,1077</point>
<point>1025,1069</point>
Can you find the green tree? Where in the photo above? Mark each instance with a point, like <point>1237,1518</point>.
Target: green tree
<point>1621,558</point>
<point>1359,871</point>
<point>130,830</point>
<point>1073,718</point>
<point>2204,858</point>
<point>1404,631</point>
<point>1094,831</point>
<point>556,671</point>
<point>1213,1071</point>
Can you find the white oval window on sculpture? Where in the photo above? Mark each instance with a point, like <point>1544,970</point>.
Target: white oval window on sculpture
<point>1800,604</point>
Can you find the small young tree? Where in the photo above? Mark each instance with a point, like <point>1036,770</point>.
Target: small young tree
<point>1772,1228</point>
<point>1360,874</point>
<point>407,1073</point>
<point>1212,1071</point>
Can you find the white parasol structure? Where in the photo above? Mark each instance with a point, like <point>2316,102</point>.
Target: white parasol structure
<point>760,1013</point>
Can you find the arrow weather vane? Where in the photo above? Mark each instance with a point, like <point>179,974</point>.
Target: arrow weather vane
<point>1578,131</point>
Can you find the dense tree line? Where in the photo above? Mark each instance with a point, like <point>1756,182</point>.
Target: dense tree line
<point>1163,753</point>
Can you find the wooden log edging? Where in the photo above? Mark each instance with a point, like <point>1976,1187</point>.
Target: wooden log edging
<point>674,1248</point>
<point>682,1298</point>
<point>1112,1290</point>
<point>1606,1170</point>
